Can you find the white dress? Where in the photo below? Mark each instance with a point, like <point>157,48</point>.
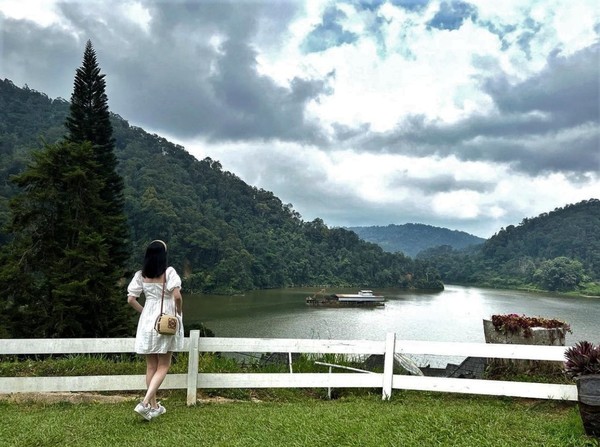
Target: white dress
<point>147,339</point>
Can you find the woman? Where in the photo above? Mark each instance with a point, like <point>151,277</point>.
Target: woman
<point>158,348</point>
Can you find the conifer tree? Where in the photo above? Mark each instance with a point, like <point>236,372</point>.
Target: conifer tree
<point>53,274</point>
<point>60,272</point>
<point>89,120</point>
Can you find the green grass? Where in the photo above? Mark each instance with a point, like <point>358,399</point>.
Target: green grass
<point>409,419</point>
<point>589,289</point>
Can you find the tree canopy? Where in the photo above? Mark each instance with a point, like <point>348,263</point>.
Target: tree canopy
<point>557,251</point>
<point>54,272</point>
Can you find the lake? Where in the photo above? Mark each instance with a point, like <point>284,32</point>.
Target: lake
<point>454,314</point>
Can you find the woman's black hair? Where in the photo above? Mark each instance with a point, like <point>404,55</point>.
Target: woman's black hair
<point>155,260</point>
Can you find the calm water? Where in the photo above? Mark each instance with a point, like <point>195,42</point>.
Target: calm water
<point>452,315</point>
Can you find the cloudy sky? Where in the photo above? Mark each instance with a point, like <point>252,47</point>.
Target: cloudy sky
<point>469,115</point>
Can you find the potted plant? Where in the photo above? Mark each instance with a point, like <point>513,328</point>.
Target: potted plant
<point>521,327</point>
<point>524,330</point>
<point>583,365</point>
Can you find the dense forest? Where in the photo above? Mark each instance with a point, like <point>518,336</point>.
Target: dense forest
<point>224,235</point>
<point>413,238</point>
<point>557,251</point>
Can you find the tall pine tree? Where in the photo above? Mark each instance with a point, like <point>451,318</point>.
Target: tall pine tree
<point>60,272</point>
<point>89,120</point>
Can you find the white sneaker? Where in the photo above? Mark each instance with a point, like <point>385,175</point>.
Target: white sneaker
<point>144,411</point>
<point>155,412</point>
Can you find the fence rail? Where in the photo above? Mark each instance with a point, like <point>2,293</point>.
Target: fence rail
<point>195,345</point>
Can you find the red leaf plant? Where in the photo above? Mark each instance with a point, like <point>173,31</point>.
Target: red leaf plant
<point>582,359</point>
<point>513,323</point>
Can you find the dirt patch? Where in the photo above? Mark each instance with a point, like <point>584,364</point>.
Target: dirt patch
<point>84,398</point>
<point>214,400</point>
<point>75,398</point>
<point>222,400</point>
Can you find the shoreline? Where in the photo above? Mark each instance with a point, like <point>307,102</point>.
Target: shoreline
<point>570,294</point>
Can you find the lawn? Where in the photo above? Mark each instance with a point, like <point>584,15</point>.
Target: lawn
<point>409,419</point>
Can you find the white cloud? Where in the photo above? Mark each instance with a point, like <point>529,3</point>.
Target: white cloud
<point>574,24</point>
<point>421,71</point>
<point>462,204</point>
<point>38,11</point>
<point>138,14</point>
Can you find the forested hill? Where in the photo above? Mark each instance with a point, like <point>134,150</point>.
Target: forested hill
<point>412,238</point>
<point>223,234</point>
<point>572,231</point>
<point>558,250</point>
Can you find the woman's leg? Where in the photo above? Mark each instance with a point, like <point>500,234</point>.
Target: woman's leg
<point>151,367</point>
<point>162,368</point>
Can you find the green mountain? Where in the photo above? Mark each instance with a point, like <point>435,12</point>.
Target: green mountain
<point>412,238</point>
<point>224,235</point>
<point>559,250</point>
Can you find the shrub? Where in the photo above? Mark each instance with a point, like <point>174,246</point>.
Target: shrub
<point>582,359</point>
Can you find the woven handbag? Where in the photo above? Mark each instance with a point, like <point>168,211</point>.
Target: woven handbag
<point>165,324</point>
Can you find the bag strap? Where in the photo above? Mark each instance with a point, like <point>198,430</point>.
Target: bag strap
<point>162,298</point>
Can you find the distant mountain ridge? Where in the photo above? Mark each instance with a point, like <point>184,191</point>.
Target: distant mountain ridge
<point>412,238</point>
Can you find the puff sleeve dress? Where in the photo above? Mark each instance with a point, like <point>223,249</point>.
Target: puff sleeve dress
<point>147,339</point>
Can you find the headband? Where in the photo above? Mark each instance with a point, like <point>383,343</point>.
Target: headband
<point>162,242</point>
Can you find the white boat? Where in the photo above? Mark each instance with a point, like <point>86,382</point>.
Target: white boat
<point>362,295</point>
<point>364,298</point>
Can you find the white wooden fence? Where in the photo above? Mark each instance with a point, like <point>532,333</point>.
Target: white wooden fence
<point>193,380</point>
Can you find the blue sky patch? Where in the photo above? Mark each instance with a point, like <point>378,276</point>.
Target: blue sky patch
<point>452,15</point>
<point>411,5</point>
<point>329,33</point>
<point>369,5</point>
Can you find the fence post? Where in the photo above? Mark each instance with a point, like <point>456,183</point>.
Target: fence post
<point>329,388</point>
<point>192,378</point>
<point>388,365</point>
